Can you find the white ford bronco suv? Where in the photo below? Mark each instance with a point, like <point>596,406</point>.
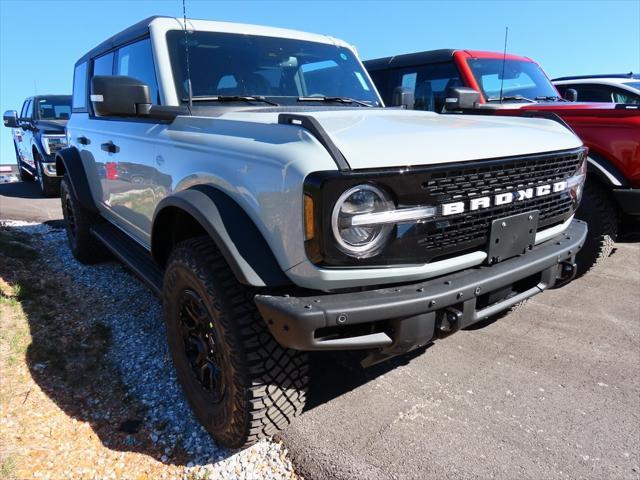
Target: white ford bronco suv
<point>250,176</point>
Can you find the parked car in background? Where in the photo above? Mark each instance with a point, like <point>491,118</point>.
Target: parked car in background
<point>276,208</point>
<point>38,133</point>
<point>491,83</point>
<point>620,88</point>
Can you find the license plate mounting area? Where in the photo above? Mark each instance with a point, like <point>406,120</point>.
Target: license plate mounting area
<point>511,236</point>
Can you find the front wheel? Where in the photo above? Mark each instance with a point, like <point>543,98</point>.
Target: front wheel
<point>78,221</point>
<point>50,187</point>
<point>241,384</point>
<point>600,213</point>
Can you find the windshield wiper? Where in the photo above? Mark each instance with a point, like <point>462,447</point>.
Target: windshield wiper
<point>334,99</point>
<point>231,98</point>
<point>550,98</point>
<point>510,97</point>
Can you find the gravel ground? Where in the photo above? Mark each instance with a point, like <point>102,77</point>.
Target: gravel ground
<point>140,353</point>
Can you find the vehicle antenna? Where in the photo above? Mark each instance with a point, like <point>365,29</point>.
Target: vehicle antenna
<point>35,87</point>
<point>186,51</point>
<point>504,60</point>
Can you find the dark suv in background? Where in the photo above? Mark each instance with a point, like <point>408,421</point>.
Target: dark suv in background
<point>38,133</point>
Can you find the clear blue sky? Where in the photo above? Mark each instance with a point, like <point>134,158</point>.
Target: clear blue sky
<point>41,40</point>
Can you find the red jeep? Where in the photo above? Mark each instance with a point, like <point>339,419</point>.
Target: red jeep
<point>472,82</point>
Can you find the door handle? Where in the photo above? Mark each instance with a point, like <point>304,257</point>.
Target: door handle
<point>110,147</point>
<point>82,140</point>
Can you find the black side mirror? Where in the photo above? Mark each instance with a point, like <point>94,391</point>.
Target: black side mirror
<point>119,96</point>
<point>403,97</point>
<point>10,119</point>
<point>461,98</point>
<point>571,95</point>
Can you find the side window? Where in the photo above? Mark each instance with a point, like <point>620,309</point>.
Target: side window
<point>23,112</point>
<point>409,80</point>
<point>80,87</point>
<point>29,112</point>
<point>430,83</point>
<point>593,93</point>
<point>136,60</point>
<point>103,65</point>
<point>622,96</point>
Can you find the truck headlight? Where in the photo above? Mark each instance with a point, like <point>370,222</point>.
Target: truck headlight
<point>361,239</point>
<point>51,144</point>
<point>575,183</point>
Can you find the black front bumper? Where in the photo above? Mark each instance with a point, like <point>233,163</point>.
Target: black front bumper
<point>400,318</point>
<point>628,200</point>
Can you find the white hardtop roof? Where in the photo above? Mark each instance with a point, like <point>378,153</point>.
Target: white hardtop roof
<point>169,23</point>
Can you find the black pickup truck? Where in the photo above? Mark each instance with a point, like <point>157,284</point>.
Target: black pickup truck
<point>38,133</point>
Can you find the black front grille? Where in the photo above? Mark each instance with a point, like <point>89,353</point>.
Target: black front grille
<point>471,229</point>
<point>500,176</point>
<point>452,235</point>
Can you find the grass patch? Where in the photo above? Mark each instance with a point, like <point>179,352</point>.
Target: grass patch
<point>7,468</point>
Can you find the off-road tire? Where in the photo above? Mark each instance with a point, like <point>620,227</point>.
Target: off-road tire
<point>50,187</point>
<point>78,221</point>
<point>599,211</point>
<point>24,175</point>
<point>264,383</point>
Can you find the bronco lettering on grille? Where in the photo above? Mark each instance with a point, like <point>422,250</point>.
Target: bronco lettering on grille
<point>478,203</point>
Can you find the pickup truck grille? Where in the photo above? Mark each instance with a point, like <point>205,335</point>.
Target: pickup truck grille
<point>471,229</point>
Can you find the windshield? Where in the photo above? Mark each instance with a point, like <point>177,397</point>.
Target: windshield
<point>54,108</point>
<point>521,78</point>
<point>229,64</point>
<point>633,84</point>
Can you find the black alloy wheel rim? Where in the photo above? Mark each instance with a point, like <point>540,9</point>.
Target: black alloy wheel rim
<point>199,339</point>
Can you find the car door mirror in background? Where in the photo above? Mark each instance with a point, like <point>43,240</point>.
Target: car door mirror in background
<point>119,96</point>
<point>10,119</point>
<point>461,98</point>
<point>571,95</point>
<point>403,97</point>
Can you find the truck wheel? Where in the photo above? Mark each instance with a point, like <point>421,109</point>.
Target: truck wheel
<point>600,213</point>
<point>241,384</point>
<point>25,176</point>
<point>50,187</point>
<point>78,221</point>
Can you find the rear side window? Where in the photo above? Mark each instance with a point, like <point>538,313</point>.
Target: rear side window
<point>136,60</point>
<point>80,87</point>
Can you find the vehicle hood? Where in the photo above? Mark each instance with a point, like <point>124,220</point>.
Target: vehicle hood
<point>57,126</point>
<point>379,138</point>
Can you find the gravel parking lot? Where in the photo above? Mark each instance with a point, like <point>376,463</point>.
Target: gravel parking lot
<point>549,391</point>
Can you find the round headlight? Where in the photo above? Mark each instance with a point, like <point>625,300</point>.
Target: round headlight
<point>361,240</point>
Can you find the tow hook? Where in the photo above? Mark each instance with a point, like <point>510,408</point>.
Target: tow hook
<point>567,273</point>
<point>449,321</point>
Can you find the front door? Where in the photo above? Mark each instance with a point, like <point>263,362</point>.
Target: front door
<point>25,145</point>
<point>134,182</point>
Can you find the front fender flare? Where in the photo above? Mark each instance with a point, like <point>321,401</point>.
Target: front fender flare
<point>69,163</point>
<point>231,229</point>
